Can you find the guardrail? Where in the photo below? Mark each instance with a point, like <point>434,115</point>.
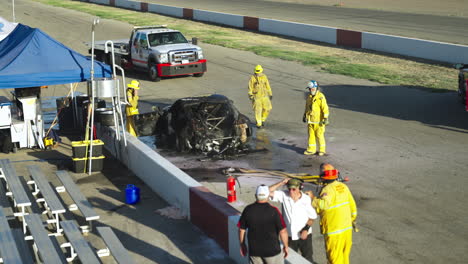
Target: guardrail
<point>411,47</point>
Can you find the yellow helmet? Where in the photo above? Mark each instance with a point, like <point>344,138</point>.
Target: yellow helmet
<point>134,84</point>
<point>258,69</point>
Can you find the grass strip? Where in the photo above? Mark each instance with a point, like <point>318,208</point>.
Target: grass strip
<point>355,63</point>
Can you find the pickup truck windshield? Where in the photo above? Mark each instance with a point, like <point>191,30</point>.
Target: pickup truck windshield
<point>165,38</point>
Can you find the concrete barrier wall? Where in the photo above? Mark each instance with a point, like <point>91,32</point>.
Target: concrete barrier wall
<point>101,2</point>
<point>210,213</point>
<point>165,179</point>
<point>298,30</point>
<point>219,18</point>
<point>432,50</point>
<point>234,245</point>
<point>166,10</point>
<point>424,49</point>
<point>135,5</point>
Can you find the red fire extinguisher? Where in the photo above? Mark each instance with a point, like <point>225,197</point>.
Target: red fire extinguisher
<point>231,189</point>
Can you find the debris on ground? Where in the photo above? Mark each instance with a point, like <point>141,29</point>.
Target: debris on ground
<point>171,212</point>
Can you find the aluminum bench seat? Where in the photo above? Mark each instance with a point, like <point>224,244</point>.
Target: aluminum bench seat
<point>81,203</point>
<point>51,201</point>
<point>79,246</point>
<point>9,252</point>
<point>118,251</point>
<point>45,248</point>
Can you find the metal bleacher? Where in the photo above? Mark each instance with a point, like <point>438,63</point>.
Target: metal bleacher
<point>37,236</point>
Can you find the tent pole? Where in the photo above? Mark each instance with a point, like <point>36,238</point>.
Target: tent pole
<point>13,7</point>
<point>93,92</point>
<point>75,119</point>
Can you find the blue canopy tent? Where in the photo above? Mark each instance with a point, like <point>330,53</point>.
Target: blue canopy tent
<point>30,57</point>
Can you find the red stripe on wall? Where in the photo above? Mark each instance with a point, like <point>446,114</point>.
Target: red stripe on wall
<point>112,2</point>
<point>188,13</point>
<point>144,7</point>
<point>349,38</point>
<point>251,23</point>
<point>210,213</point>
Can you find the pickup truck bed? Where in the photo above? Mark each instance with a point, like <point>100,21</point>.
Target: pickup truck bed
<point>120,46</point>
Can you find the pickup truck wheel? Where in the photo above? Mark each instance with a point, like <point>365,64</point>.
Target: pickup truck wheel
<point>153,73</point>
<point>198,74</point>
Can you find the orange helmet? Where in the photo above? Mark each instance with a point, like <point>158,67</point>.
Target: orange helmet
<point>328,172</point>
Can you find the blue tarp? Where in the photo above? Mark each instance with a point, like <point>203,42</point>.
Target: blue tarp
<point>30,57</point>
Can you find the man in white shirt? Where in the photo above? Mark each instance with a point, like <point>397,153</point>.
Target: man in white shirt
<point>298,214</point>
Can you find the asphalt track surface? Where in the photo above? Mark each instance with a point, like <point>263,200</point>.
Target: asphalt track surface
<point>433,21</point>
<point>403,149</point>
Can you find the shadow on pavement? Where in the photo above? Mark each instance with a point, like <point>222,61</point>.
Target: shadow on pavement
<point>439,110</point>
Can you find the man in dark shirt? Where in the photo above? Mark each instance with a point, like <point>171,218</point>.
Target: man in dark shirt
<point>264,223</point>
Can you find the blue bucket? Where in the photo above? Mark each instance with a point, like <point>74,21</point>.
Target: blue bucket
<point>132,194</point>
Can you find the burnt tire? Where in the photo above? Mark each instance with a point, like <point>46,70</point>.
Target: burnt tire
<point>198,74</point>
<point>153,73</point>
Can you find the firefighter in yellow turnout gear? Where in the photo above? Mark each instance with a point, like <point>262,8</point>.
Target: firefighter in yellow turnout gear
<point>260,94</point>
<point>337,210</point>
<point>132,108</point>
<point>316,116</point>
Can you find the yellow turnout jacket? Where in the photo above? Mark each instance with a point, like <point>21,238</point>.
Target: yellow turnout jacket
<point>316,108</point>
<point>131,109</point>
<point>259,87</point>
<point>336,207</point>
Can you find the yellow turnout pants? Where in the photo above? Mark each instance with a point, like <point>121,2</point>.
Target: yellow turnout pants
<point>338,247</point>
<point>262,108</point>
<point>316,133</point>
<point>131,125</point>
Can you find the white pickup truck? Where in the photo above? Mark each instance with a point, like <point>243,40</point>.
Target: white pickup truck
<point>160,51</point>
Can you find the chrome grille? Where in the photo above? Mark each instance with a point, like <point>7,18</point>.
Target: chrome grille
<point>180,56</point>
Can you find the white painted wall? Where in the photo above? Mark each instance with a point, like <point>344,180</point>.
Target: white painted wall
<point>419,48</point>
<point>135,5</point>
<point>298,30</point>
<point>164,178</point>
<point>234,246</point>
<point>101,2</point>
<point>219,18</point>
<point>166,10</point>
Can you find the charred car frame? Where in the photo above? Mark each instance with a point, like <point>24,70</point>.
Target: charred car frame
<point>208,124</point>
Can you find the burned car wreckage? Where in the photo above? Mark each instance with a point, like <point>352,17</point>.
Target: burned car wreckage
<point>208,124</point>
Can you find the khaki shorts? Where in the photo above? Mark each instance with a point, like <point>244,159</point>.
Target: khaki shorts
<point>278,259</point>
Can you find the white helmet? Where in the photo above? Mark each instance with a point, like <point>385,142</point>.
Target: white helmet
<point>312,84</point>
